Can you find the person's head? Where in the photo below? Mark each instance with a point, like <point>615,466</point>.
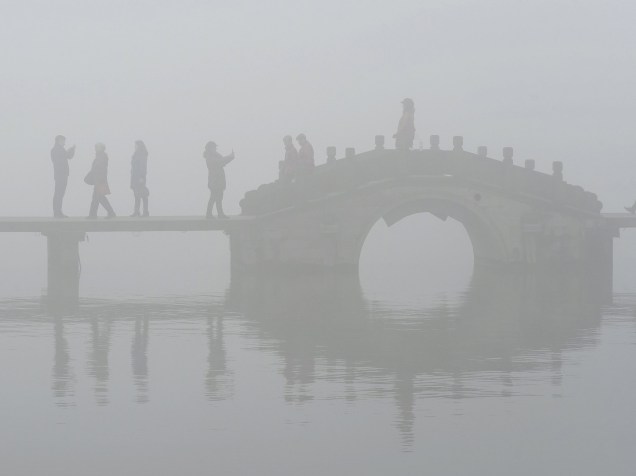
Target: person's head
<point>210,146</point>
<point>288,141</point>
<point>60,140</point>
<point>99,147</point>
<point>408,104</point>
<point>139,145</point>
<point>301,138</point>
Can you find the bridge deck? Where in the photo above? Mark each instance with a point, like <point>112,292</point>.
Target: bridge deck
<point>174,223</point>
<point>118,224</point>
<point>621,220</point>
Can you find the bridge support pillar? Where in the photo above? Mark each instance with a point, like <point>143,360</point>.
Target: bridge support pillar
<point>601,260</point>
<point>63,272</point>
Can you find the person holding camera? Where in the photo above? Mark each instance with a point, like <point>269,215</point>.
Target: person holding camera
<point>60,157</point>
<point>216,178</point>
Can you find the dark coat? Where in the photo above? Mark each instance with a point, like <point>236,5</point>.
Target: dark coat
<point>216,173</point>
<point>60,157</point>
<point>138,169</point>
<point>406,130</point>
<point>291,155</point>
<point>99,174</point>
<point>306,155</point>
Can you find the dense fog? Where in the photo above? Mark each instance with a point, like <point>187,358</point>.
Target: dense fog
<point>420,350</point>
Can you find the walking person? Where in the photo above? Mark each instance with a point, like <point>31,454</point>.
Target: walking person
<point>138,169</point>
<point>406,127</point>
<point>98,177</point>
<point>60,157</point>
<point>216,178</point>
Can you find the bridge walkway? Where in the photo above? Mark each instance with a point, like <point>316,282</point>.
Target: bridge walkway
<point>47,226</point>
<point>620,220</point>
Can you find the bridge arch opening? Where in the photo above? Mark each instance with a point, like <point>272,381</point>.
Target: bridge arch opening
<point>424,246</point>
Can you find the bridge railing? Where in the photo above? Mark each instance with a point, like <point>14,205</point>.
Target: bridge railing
<point>353,172</point>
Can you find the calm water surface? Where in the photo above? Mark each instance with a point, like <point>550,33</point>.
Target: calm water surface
<point>498,375</point>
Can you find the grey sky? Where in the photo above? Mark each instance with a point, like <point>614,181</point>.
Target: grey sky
<point>552,79</point>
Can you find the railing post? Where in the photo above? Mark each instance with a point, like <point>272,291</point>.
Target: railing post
<point>482,151</point>
<point>331,154</point>
<point>458,143</point>
<point>434,140</point>
<point>557,170</point>
<point>507,155</point>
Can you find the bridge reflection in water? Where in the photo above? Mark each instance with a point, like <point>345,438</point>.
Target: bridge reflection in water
<point>321,329</point>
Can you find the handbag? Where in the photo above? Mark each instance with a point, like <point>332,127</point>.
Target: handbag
<point>89,179</point>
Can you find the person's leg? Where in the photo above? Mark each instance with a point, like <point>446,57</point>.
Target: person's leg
<point>145,201</point>
<point>211,201</point>
<point>106,204</point>
<point>58,196</point>
<point>94,204</point>
<point>219,205</point>
<point>137,203</point>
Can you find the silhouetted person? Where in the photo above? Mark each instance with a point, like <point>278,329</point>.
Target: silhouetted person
<point>289,165</point>
<point>60,157</point>
<point>406,127</point>
<point>216,178</point>
<point>98,177</point>
<point>305,155</point>
<point>138,169</point>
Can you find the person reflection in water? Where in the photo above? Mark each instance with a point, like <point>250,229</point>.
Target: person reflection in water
<point>138,169</point>
<point>216,178</point>
<point>60,157</point>
<point>406,127</point>
<point>98,177</point>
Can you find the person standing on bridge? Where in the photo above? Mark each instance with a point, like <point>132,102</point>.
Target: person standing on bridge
<point>631,209</point>
<point>138,169</point>
<point>60,157</point>
<point>289,165</point>
<point>98,177</point>
<point>216,178</point>
<point>306,161</point>
<point>406,127</point>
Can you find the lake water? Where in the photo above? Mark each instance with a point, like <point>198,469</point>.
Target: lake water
<point>485,374</point>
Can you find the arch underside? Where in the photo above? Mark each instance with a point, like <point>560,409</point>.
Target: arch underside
<point>488,246</point>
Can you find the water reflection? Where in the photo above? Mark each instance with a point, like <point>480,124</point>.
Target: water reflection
<point>505,331</point>
<point>507,335</point>
<point>98,356</point>
<point>139,357</point>
<point>217,378</point>
<point>63,377</point>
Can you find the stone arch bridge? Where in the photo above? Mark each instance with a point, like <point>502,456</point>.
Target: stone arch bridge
<point>514,216</point>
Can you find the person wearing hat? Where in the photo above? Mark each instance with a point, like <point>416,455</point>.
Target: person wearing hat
<point>98,178</point>
<point>216,178</point>
<point>60,157</point>
<point>406,127</point>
